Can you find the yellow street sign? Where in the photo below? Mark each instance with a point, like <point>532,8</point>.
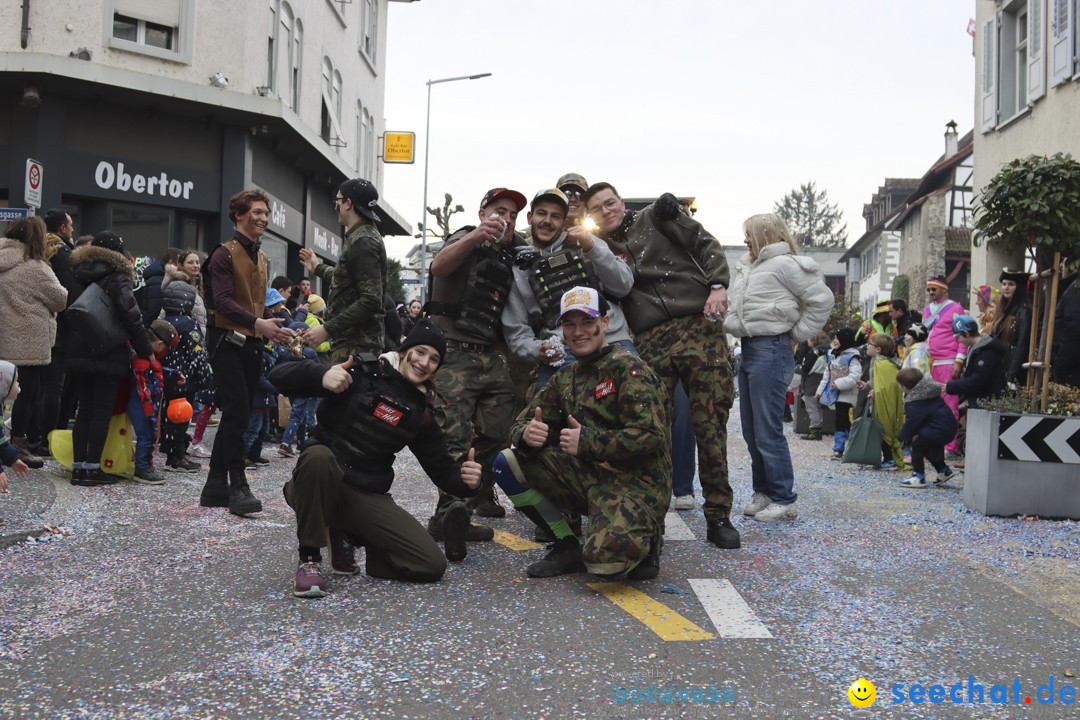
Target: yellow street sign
<point>398,147</point>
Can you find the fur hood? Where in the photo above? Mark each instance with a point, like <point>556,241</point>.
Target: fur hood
<point>174,273</point>
<point>84,256</point>
<point>924,390</point>
<point>53,243</point>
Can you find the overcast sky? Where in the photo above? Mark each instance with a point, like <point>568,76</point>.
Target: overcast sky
<point>733,102</point>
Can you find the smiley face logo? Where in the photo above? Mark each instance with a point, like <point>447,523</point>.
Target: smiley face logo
<point>862,693</point>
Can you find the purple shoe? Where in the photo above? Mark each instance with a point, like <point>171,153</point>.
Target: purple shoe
<point>310,582</point>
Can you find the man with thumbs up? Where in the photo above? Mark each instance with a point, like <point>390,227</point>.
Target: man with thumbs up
<point>597,440</point>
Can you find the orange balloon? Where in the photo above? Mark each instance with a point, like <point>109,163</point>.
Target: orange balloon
<point>179,410</point>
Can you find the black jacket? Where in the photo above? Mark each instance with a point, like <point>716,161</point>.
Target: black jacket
<point>1015,336</point>
<point>61,267</point>
<point>984,372</point>
<point>1065,360</point>
<point>379,414</point>
<point>113,272</point>
<point>927,415</point>
<point>151,298</point>
<point>391,324</point>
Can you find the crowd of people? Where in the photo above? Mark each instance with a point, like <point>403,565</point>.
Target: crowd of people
<point>623,327</point>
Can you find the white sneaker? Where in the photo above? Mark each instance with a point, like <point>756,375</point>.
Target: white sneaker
<point>759,502</point>
<point>199,451</point>
<point>776,511</point>
<point>683,502</point>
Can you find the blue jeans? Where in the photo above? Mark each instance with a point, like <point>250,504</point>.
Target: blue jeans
<point>302,407</point>
<point>144,426</point>
<point>545,371</point>
<point>764,373</point>
<point>257,428</point>
<point>683,446</point>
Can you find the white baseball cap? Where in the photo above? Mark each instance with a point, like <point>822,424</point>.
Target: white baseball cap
<point>580,298</point>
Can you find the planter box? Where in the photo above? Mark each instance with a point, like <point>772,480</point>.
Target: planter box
<point>802,420</point>
<point>1022,465</point>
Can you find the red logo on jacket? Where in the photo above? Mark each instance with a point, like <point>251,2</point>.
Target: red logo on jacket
<point>389,415</point>
<point>605,388</point>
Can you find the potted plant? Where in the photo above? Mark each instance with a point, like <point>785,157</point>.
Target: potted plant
<point>1031,204</point>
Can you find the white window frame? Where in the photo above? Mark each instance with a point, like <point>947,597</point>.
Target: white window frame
<point>1061,48</point>
<point>369,32</point>
<point>339,13</point>
<point>184,33</point>
<point>331,97</point>
<point>287,30</point>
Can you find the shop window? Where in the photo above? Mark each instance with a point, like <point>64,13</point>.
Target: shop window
<point>161,28</point>
<point>146,230</point>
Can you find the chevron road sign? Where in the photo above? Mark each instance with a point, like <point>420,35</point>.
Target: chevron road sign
<point>1035,438</point>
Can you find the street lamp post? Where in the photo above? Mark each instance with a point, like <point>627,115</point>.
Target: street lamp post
<point>427,154</point>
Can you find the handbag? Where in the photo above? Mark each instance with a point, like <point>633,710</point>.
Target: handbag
<point>864,440</point>
<point>93,318</point>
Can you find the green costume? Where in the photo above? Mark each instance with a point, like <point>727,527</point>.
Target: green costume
<point>357,288</point>
<point>889,406</point>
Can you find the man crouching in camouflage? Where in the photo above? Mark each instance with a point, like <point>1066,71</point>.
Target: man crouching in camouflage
<point>596,441</point>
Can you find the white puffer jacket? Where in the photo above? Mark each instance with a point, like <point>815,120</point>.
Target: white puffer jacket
<point>778,293</point>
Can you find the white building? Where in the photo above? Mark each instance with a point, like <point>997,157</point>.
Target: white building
<point>148,114</point>
<point>1028,88</point>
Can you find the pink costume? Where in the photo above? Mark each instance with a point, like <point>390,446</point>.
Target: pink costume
<point>945,350</point>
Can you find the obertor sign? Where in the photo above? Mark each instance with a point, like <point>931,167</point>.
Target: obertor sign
<point>106,176</point>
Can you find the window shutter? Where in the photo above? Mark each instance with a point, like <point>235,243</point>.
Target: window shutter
<point>989,75</point>
<point>162,12</point>
<point>1036,68</point>
<point>1061,42</point>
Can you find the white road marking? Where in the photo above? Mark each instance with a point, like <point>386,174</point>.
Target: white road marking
<point>730,614</point>
<point>676,529</point>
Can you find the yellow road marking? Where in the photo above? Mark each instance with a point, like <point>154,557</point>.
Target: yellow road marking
<point>656,616</point>
<point>514,542</point>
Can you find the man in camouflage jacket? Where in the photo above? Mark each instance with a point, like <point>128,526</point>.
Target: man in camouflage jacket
<point>597,441</point>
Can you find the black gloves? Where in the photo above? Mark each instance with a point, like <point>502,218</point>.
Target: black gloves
<point>667,207</point>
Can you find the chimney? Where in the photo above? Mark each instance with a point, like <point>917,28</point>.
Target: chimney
<point>951,139</point>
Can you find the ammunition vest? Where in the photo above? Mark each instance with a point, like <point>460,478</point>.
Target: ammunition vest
<point>552,275</point>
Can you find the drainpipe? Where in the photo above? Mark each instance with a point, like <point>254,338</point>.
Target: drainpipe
<point>25,23</point>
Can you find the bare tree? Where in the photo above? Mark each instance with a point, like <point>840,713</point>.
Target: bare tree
<point>442,215</point>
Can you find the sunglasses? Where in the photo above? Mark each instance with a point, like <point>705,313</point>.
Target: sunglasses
<point>572,193</point>
<point>338,201</point>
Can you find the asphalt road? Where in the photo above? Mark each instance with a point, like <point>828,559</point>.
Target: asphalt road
<point>152,607</point>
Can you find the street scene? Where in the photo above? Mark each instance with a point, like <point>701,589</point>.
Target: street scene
<point>427,359</point>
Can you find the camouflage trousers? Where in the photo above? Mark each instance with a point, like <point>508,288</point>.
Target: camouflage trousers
<point>625,510</point>
<point>474,408</point>
<point>694,349</point>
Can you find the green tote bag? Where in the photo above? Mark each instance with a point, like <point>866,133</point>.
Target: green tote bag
<point>864,441</point>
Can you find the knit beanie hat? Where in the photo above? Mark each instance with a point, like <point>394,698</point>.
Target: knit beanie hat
<point>425,333</point>
<point>315,303</point>
<point>917,332</point>
<point>108,240</point>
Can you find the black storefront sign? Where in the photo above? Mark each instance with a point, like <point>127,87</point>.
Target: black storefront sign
<point>325,243</point>
<point>141,182</point>
<point>285,220</point>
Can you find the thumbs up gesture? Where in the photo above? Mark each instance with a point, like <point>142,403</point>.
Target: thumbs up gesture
<point>570,435</point>
<point>471,470</point>
<point>536,434</point>
<point>337,379</point>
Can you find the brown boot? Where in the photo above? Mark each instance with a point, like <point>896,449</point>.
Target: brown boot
<point>23,448</point>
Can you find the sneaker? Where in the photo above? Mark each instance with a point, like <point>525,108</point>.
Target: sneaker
<point>563,558</point>
<point>286,451</point>
<point>454,526</point>
<point>758,502</point>
<point>945,475</point>
<point>96,476</point>
<point>837,456</point>
<point>649,568</point>
<point>258,460</point>
<point>917,481</point>
<point>80,477</point>
<point>149,476</point>
<point>198,450</point>
<point>310,581</point>
<point>342,555</point>
<point>723,534</point>
<point>813,434</point>
<point>212,422</point>
<point>684,502</point>
<point>182,465</point>
<point>887,465</point>
<point>22,447</point>
<point>776,511</point>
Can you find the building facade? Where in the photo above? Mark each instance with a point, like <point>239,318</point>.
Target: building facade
<point>1028,96</point>
<point>874,260</point>
<point>146,115</point>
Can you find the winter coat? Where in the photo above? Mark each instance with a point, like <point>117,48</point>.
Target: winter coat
<point>888,397</point>
<point>114,273</point>
<point>1065,360</point>
<point>178,293</point>
<point>189,356</point>
<point>926,415</point>
<point>943,344</point>
<point>810,363</point>
<point>1014,333</point>
<point>846,369</point>
<point>30,297</point>
<point>347,419</point>
<point>8,453</point>
<point>779,293</point>
<point>150,304</point>
<point>391,325</point>
<point>675,263</point>
<point>58,252</point>
<point>984,372</point>
<point>918,357</point>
